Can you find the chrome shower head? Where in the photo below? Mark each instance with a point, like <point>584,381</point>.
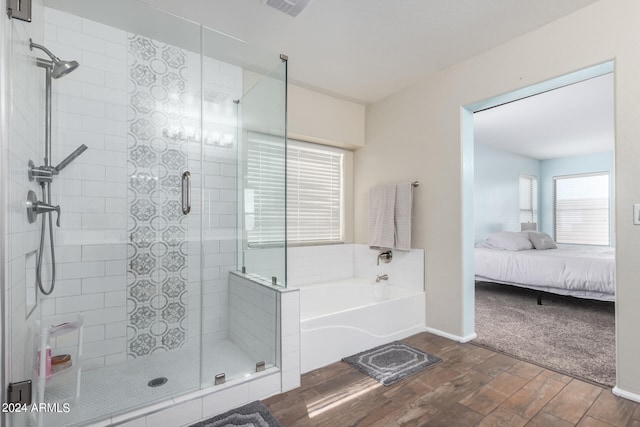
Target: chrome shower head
<point>62,68</point>
<point>59,68</point>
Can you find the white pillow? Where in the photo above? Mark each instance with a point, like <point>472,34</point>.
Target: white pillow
<point>542,240</point>
<point>510,241</point>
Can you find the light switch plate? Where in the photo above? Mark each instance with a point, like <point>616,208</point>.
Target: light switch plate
<point>636,214</point>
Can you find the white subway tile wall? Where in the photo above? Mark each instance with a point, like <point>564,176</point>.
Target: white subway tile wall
<point>290,338</point>
<point>314,264</point>
<point>88,107</point>
<point>252,318</point>
<point>218,203</point>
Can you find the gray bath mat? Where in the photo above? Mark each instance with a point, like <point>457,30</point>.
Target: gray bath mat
<point>253,414</point>
<point>389,363</point>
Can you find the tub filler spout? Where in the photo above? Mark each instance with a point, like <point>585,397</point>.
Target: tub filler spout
<point>380,277</point>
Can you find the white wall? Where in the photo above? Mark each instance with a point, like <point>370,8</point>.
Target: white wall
<point>424,122</point>
<point>497,189</point>
<point>320,118</point>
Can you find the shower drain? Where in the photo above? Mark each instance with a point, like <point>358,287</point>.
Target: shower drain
<point>157,382</point>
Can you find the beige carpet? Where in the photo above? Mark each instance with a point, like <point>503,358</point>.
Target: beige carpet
<point>571,335</point>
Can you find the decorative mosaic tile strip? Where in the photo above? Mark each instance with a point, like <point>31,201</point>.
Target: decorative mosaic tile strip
<point>157,270</point>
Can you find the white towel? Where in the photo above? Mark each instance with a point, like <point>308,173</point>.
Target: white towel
<point>382,201</point>
<point>402,213</point>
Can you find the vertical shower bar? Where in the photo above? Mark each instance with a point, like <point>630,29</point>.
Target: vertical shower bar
<point>48,66</point>
<point>47,119</point>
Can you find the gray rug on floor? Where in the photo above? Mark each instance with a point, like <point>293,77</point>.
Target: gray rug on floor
<point>570,335</point>
<point>253,414</point>
<point>389,363</point>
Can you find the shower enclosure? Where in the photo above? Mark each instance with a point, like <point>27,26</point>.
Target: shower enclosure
<point>161,286</point>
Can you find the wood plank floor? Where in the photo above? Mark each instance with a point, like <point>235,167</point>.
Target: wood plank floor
<point>472,386</point>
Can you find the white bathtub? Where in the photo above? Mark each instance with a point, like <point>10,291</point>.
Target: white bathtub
<point>343,317</point>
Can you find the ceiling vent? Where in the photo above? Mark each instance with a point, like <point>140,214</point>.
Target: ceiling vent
<point>290,7</point>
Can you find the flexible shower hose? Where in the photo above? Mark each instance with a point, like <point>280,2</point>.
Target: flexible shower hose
<point>46,198</point>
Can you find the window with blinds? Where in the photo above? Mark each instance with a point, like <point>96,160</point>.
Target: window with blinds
<point>581,209</point>
<point>314,175</point>
<point>314,193</point>
<point>528,199</point>
<point>264,196</point>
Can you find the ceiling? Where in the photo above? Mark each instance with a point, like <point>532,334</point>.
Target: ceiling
<point>569,121</point>
<point>365,50</point>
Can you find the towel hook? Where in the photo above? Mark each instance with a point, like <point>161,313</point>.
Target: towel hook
<point>415,184</point>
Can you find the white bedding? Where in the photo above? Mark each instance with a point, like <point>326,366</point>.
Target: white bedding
<point>582,271</point>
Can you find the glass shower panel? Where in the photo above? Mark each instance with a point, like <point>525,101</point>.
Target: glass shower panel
<point>262,130</point>
<point>262,212</point>
<point>128,250</point>
<point>239,317</point>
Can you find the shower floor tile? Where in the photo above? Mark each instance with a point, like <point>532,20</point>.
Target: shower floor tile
<point>123,387</point>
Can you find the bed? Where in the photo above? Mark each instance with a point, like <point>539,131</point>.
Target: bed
<point>574,270</point>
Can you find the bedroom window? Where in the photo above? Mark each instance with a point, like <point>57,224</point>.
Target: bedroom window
<point>528,198</point>
<point>314,192</point>
<point>581,209</point>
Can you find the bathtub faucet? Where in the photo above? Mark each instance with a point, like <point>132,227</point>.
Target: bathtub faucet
<point>380,277</point>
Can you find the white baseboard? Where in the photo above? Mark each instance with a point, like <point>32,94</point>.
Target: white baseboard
<point>458,338</point>
<point>626,394</point>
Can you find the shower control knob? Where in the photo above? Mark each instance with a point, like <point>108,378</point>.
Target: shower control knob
<point>35,207</point>
<point>41,207</point>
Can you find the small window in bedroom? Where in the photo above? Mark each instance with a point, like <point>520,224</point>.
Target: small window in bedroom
<point>581,209</point>
<point>528,198</point>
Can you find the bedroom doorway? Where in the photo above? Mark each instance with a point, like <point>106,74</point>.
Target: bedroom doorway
<point>539,199</point>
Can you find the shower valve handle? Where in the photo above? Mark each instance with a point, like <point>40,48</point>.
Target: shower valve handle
<point>41,207</point>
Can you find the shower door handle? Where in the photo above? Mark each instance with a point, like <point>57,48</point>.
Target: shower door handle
<point>186,192</point>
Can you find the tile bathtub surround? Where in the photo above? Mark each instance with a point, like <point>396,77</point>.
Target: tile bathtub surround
<point>315,264</point>
<point>405,270</point>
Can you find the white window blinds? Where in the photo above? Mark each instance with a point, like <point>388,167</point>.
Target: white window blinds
<point>528,199</point>
<point>264,203</point>
<point>581,205</point>
<point>314,192</point>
